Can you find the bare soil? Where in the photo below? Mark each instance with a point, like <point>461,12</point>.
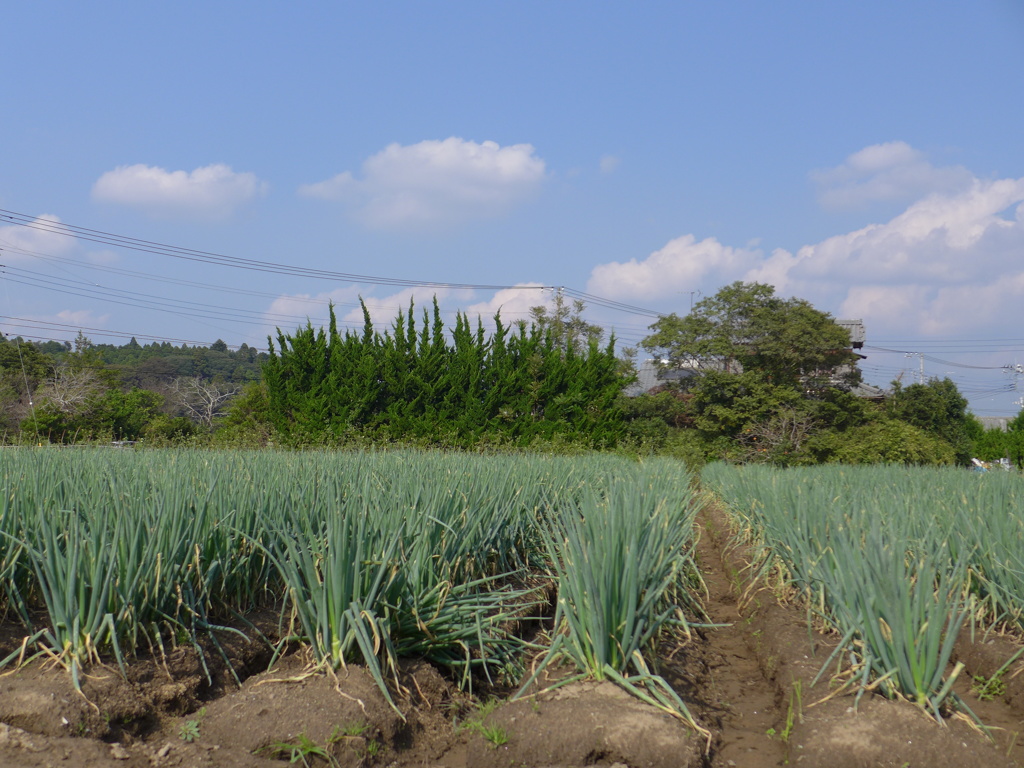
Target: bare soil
<point>749,682</point>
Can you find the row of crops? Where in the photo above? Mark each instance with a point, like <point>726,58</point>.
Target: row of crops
<point>370,557</point>
<point>896,559</point>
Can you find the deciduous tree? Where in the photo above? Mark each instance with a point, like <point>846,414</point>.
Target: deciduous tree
<point>746,327</point>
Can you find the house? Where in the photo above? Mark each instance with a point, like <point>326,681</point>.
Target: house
<point>651,374</point>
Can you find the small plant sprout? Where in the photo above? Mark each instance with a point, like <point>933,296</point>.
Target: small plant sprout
<point>189,730</point>
<point>303,751</point>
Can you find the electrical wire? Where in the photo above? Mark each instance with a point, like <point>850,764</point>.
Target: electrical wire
<point>161,249</point>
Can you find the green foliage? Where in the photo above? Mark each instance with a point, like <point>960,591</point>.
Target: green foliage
<point>153,365</point>
<point>304,750</point>
<point>477,723</point>
<point>124,414</point>
<point>619,555</point>
<point>767,375</point>
<point>728,403</point>
<point>787,340</point>
<point>989,688</point>
<point>415,382</point>
<point>838,409</point>
<point>565,324</point>
<point>109,415</point>
<point>247,422</point>
<point>170,430</point>
<point>938,408</point>
<point>1016,424</point>
<point>374,555</point>
<point>668,407</point>
<point>189,730</point>
<point>994,444</point>
<point>63,392</point>
<point>884,441</point>
<point>22,369</point>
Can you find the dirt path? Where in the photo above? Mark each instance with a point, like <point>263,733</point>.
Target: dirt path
<point>746,702</point>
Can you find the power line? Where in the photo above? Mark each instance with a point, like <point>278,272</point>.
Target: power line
<point>938,360</point>
<point>219,313</point>
<point>161,249</point>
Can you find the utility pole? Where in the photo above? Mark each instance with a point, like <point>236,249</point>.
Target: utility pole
<point>1016,371</point>
<point>920,357</point>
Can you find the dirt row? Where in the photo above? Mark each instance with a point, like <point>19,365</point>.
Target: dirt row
<point>817,724</point>
<point>749,681</point>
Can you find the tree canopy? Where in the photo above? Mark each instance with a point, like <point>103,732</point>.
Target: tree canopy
<point>936,407</point>
<point>746,327</point>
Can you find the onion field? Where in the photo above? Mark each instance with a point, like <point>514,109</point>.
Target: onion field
<point>895,559</point>
<point>369,557</point>
<point>374,601</point>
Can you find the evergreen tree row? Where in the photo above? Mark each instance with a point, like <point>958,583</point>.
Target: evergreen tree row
<point>420,381</point>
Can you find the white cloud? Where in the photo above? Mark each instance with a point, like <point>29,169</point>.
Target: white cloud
<point>950,311</point>
<point>941,240</point>
<point>681,266</point>
<point>949,265</point>
<point>384,310</point>
<point>609,163</point>
<point>19,243</point>
<point>435,183</point>
<point>83,318</point>
<point>210,192</point>
<point>290,311</point>
<point>891,172</point>
<point>514,304</point>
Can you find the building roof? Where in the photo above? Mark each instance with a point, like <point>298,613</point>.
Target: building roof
<point>995,422</point>
<point>856,329</point>
<point>653,373</point>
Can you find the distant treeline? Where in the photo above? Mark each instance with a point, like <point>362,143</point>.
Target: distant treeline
<point>71,392</point>
<point>775,388</point>
<point>143,364</point>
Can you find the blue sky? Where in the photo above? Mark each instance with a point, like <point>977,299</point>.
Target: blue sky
<point>866,156</point>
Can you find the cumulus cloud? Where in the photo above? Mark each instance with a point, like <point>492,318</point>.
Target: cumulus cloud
<point>20,243</point>
<point>384,310</point>
<point>942,240</point>
<point>210,192</point>
<point>680,266</point>
<point>290,311</point>
<point>513,303</point>
<point>435,183</point>
<point>890,172</point>
<point>948,265</point>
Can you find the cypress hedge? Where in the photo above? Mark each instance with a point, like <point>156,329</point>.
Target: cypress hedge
<point>516,385</point>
